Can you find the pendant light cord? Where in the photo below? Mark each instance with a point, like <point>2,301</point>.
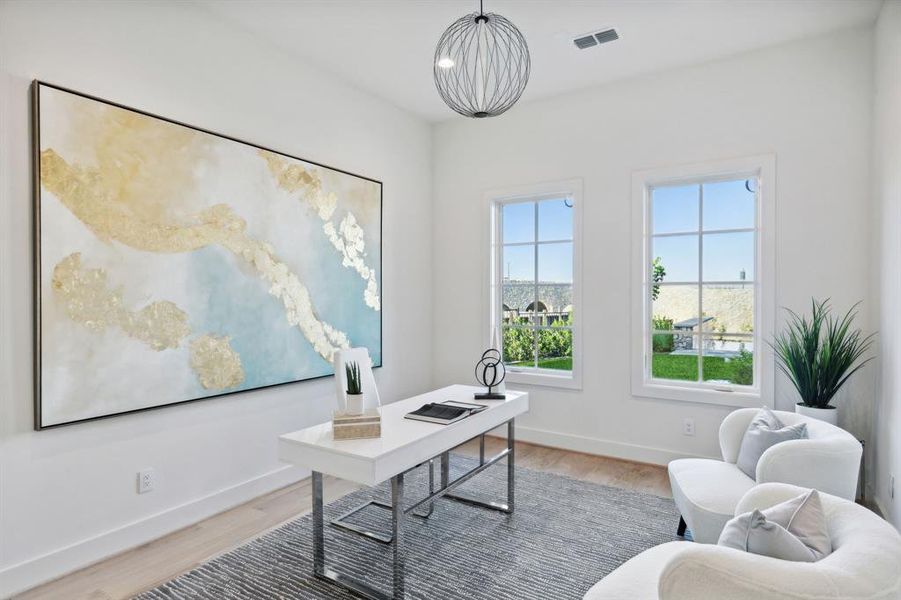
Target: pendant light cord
<point>481,18</point>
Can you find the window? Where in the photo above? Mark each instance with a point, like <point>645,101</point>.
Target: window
<point>534,282</point>
<point>703,281</point>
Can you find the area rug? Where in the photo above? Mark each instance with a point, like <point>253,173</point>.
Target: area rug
<point>564,536</point>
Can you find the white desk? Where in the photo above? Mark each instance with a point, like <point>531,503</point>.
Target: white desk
<point>404,445</point>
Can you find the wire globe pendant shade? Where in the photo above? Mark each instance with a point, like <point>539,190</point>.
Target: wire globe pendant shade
<point>481,65</point>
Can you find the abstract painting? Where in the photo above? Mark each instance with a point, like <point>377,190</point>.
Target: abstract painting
<point>174,264</point>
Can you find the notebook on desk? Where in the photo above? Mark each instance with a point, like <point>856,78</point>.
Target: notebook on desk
<point>444,413</point>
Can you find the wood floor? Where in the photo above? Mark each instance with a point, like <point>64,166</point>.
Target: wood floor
<point>147,566</point>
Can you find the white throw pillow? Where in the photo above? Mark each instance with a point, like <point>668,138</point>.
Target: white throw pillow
<point>792,530</point>
<point>764,431</point>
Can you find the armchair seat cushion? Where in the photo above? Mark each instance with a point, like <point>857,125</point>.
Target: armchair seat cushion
<point>637,578</point>
<point>706,492</point>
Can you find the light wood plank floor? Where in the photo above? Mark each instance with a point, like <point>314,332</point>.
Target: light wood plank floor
<point>149,565</point>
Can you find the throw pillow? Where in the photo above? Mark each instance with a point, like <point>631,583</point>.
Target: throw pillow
<point>804,518</point>
<point>793,530</point>
<point>764,431</point>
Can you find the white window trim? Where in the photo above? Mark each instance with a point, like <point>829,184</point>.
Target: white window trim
<point>763,167</point>
<point>541,191</point>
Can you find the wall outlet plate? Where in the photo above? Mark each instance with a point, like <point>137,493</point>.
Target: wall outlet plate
<point>688,426</point>
<point>145,481</point>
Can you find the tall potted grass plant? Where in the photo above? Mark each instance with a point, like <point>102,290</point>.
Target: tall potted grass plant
<point>819,354</point>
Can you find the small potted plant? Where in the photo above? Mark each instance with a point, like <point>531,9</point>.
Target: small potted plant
<point>819,355</point>
<point>354,389</point>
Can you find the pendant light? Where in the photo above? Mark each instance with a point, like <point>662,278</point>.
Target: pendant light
<point>481,64</point>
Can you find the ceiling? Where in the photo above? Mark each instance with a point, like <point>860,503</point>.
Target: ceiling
<point>385,47</point>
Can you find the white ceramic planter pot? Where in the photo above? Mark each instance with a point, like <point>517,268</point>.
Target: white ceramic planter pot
<point>830,415</point>
<point>354,404</point>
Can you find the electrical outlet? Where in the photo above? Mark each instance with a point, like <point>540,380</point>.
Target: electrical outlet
<point>145,481</point>
<point>688,426</point>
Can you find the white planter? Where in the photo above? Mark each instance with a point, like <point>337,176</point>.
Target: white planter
<point>830,415</point>
<point>354,404</point>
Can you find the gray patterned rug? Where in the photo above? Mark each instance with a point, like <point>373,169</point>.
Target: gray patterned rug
<point>564,536</point>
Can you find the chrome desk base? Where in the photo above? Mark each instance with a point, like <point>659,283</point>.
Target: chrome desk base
<point>399,513</point>
<point>385,539</point>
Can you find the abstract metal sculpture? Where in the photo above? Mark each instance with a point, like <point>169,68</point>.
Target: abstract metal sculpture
<point>481,65</point>
<point>490,372</point>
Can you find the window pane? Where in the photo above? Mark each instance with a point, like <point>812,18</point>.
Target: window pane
<point>518,263</point>
<point>555,263</point>
<point>555,349</point>
<point>519,222</point>
<point>729,256</point>
<point>730,204</point>
<point>730,306</point>
<point>555,304</point>
<point>676,310</point>
<point>681,365</point>
<point>677,256</point>
<point>555,220</point>
<point>675,208</point>
<point>677,306</point>
<point>729,358</point>
<point>518,304</point>
<point>519,347</point>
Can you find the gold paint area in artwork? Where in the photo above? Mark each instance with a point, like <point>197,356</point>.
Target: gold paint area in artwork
<point>89,301</point>
<point>112,217</point>
<point>347,237</point>
<point>217,365</point>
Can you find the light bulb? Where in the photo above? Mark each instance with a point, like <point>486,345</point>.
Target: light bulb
<point>445,63</point>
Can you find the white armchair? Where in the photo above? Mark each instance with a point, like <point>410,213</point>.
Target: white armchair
<point>706,491</point>
<point>864,564</point>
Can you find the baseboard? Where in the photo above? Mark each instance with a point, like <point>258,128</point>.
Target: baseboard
<point>28,574</point>
<point>588,445</point>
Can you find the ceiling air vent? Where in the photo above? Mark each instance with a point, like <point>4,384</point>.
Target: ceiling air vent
<point>606,36</point>
<point>593,39</point>
<point>586,41</point>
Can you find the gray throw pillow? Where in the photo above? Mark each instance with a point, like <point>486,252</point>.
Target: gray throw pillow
<point>793,530</point>
<point>764,431</point>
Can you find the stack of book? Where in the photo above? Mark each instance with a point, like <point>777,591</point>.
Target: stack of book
<point>356,427</point>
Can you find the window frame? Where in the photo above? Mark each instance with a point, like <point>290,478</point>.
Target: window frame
<point>763,168</point>
<point>496,200</point>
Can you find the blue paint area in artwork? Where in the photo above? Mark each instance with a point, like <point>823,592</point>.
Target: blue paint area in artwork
<point>343,305</point>
<point>230,299</point>
<point>338,294</point>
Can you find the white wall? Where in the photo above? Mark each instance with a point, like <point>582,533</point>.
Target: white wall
<point>886,277</point>
<point>67,496</point>
<point>809,103</point>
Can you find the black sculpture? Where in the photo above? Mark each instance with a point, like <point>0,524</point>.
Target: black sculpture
<point>490,372</point>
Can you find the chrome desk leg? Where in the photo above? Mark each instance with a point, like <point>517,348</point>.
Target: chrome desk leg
<point>320,570</point>
<point>511,477</point>
<point>482,449</point>
<point>445,469</point>
<point>397,509</point>
<point>343,523</point>
<point>428,513</point>
<point>318,540</point>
